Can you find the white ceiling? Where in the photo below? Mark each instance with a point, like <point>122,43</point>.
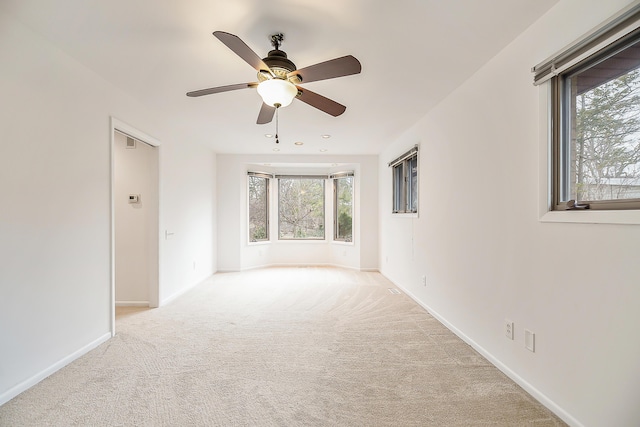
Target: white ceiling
<point>413,53</point>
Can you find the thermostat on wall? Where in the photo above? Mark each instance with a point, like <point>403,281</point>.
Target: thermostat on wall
<point>134,198</point>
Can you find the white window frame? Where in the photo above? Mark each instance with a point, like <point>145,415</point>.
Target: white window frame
<point>267,177</point>
<point>335,177</point>
<point>324,207</point>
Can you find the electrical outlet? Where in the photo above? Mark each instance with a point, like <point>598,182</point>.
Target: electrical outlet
<point>508,328</point>
<point>424,280</point>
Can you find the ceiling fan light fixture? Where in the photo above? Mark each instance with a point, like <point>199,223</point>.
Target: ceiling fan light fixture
<point>277,91</point>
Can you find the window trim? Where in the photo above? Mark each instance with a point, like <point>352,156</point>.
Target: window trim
<point>545,212</point>
<point>560,110</point>
<point>405,190</point>
<point>324,207</point>
<point>268,178</point>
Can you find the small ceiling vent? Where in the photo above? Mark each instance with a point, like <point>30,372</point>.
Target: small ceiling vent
<point>131,143</point>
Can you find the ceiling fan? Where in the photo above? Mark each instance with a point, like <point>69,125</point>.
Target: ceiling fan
<point>279,79</point>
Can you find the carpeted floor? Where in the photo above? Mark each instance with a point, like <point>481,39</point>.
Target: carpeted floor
<point>280,347</point>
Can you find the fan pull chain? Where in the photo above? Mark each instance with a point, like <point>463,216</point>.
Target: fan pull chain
<point>277,108</point>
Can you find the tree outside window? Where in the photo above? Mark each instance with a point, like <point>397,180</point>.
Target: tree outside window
<point>606,141</point>
<point>595,123</point>
<point>343,209</point>
<point>301,208</point>
<point>258,208</point>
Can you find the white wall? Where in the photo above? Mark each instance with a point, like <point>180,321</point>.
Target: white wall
<point>487,256</point>
<point>55,266</point>
<point>136,224</point>
<point>188,200</point>
<point>234,251</point>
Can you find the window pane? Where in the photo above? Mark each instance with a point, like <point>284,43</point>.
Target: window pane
<point>413,184</point>
<point>344,209</point>
<point>301,208</point>
<point>398,186</point>
<point>603,134</point>
<point>258,209</point>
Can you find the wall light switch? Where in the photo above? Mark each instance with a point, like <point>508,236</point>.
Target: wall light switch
<point>530,340</point>
<point>134,198</point>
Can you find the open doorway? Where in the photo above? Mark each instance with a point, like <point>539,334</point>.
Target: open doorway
<point>135,219</point>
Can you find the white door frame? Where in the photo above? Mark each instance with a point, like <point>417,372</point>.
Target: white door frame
<point>154,287</point>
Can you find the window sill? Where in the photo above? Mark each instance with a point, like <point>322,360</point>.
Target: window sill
<point>312,241</point>
<point>593,217</point>
<point>340,242</point>
<point>404,215</point>
<point>262,242</point>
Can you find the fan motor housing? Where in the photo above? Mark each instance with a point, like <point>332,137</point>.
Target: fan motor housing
<point>278,59</point>
<point>280,65</point>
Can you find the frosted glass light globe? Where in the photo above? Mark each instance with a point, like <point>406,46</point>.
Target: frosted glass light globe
<point>277,91</point>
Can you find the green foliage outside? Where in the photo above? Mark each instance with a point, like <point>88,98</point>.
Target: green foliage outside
<point>344,208</point>
<point>258,209</point>
<point>301,208</point>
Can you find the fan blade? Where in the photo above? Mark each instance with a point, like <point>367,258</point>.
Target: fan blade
<point>266,114</point>
<point>320,102</point>
<point>339,67</point>
<point>241,49</point>
<point>219,89</point>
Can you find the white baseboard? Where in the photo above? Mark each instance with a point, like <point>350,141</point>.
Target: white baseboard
<point>255,267</point>
<point>30,382</point>
<point>529,388</point>
<point>132,303</point>
<point>297,265</point>
<point>300,265</point>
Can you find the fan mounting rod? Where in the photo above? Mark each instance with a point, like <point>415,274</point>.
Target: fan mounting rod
<point>276,40</point>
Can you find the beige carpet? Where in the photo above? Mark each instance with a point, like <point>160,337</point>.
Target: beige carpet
<point>280,347</point>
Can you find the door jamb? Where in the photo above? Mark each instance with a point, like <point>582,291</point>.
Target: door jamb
<point>122,127</point>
